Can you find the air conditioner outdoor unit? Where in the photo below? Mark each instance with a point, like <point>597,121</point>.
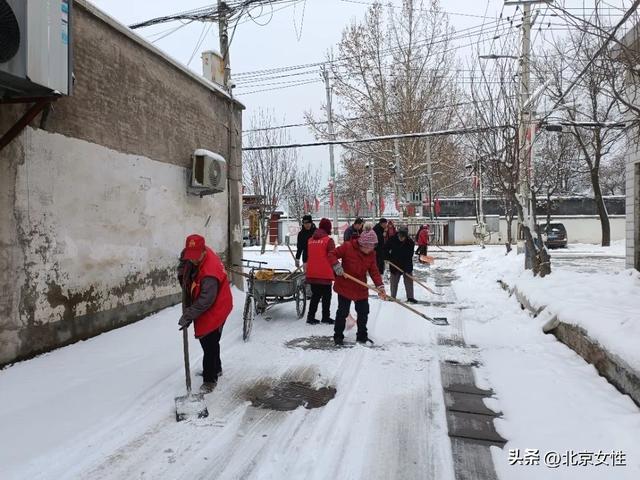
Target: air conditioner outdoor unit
<point>208,173</point>
<point>35,48</point>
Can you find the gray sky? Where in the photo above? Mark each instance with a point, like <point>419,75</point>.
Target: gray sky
<point>295,35</point>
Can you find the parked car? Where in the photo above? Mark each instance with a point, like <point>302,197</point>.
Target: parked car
<point>555,235</point>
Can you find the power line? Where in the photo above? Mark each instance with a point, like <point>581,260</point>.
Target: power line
<point>381,138</point>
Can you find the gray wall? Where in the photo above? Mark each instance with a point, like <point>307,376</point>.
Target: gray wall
<point>93,208</point>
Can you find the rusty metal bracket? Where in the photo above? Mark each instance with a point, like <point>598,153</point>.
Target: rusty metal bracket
<point>40,104</point>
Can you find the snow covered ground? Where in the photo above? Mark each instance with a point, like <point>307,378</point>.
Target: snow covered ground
<point>551,399</point>
<point>104,408</point>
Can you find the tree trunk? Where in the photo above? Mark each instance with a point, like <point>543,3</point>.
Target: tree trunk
<point>264,232</point>
<point>601,208</point>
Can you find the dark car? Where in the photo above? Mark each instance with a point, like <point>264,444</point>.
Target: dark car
<point>556,235</point>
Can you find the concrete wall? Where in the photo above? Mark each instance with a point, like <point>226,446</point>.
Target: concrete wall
<point>580,229</point>
<point>93,209</point>
<point>632,233</point>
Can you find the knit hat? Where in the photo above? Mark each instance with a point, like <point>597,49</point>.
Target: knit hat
<point>325,224</point>
<point>306,218</point>
<point>404,230</point>
<point>368,239</point>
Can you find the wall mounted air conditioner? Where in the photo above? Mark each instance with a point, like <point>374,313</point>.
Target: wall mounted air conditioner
<point>35,48</point>
<point>208,173</point>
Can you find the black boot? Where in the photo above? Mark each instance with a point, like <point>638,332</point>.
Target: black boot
<point>312,321</point>
<point>330,321</point>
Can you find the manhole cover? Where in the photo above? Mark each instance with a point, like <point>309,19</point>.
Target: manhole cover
<point>289,395</point>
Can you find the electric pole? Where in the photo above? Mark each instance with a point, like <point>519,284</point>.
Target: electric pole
<point>429,178</point>
<point>524,77</point>
<point>398,178</point>
<point>332,172</point>
<point>234,177</point>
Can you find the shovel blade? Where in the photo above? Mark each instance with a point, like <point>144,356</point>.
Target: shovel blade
<point>191,405</point>
<point>440,321</point>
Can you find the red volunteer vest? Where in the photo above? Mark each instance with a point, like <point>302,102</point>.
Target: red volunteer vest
<point>318,265</point>
<point>217,314</point>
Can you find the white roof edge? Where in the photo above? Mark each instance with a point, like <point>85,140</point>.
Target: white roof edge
<point>109,20</point>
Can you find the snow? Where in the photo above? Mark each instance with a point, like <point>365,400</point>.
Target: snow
<point>550,398</point>
<point>104,408</point>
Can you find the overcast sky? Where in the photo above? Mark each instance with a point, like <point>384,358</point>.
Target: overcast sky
<point>295,35</point>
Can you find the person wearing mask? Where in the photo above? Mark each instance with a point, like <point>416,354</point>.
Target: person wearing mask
<point>358,259</point>
<point>319,273</point>
<point>352,232</point>
<point>206,302</point>
<point>399,251</point>
<point>380,230</point>
<point>305,233</point>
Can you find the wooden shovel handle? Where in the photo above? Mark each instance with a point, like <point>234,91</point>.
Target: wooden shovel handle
<point>353,279</point>
<point>413,278</point>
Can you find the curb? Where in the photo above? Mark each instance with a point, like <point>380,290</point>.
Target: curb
<point>613,368</point>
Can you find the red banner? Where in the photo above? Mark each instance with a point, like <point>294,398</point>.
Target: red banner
<point>381,204</point>
<point>306,206</point>
<point>317,204</point>
<point>437,208</point>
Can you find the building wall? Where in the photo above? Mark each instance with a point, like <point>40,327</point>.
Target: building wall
<point>93,208</point>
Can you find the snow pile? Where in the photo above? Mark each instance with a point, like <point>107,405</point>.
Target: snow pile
<point>552,401</point>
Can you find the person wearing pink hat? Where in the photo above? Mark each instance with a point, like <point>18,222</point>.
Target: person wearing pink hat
<point>358,259</point>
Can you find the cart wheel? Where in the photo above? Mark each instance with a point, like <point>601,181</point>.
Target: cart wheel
<point>301,301</point>
<point>249,313</point>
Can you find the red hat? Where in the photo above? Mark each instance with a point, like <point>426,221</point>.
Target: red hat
<point>325,224</point>
<point>193,247</point>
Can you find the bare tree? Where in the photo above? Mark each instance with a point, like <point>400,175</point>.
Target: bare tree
<point>268,173</point>
<point>397,77</point>
<point>303,192</point>
<point>590,111</point>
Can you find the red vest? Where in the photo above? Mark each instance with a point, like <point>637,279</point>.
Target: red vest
<point>217,314</point>
<point>318,265</point>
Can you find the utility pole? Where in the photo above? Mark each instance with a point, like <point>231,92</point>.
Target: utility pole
<point>429,178</point>
<point>332,167</point>
<point>234,177</point>
<point>525,118</point>
<point>524,149</point>
<point>398,178</point>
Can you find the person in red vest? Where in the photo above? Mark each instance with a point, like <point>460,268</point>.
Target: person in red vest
<point>206,302</point>
<point>320,260</point>
<point>422,239</point>
<point>358,259</point>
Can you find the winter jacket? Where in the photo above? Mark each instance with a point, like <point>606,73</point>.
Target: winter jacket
<point>356,264</point>
<point>321,250</point>
<point>380,246</point>
<point>351,233</point>
<point>400,253</point>
<point>214,316</point>
<point>303,237</point>
<point>423,237</point>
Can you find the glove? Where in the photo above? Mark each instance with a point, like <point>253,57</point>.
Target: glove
<point>381,293</point>
<point>184,323</point>
<point>338,270</point>
<point>297,262</point>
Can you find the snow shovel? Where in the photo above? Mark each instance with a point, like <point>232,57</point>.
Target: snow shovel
<point>191,405</point>
<point>413,278</point>
<point>436,320</point>
<point>426,259</point>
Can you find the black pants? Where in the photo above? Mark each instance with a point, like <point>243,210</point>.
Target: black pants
<point>362,309</point>
<point>211,363</point>
<point>320,292</point>
<point>421,250</point>
<point>380,261</point>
